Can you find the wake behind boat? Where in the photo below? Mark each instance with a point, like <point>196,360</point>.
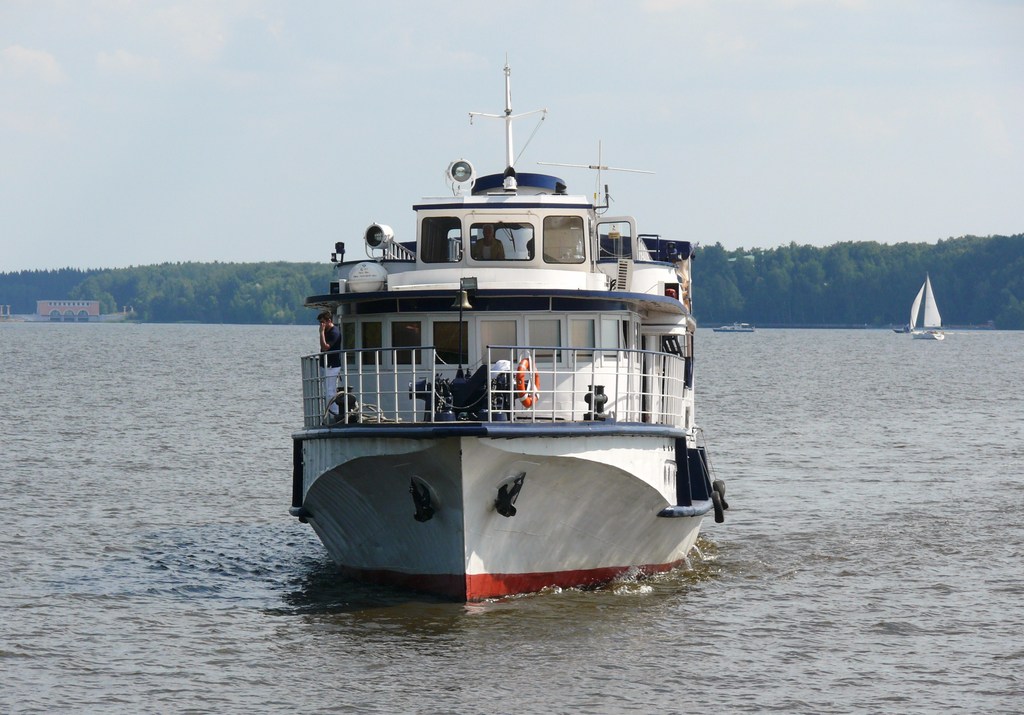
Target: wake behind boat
<point>931,320</point>
<point>514,403</point>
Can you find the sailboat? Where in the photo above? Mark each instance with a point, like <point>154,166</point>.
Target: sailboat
<point>932,321</point>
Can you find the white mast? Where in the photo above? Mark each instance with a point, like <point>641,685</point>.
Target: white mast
<point>509,154</point>
<point>510,172</point>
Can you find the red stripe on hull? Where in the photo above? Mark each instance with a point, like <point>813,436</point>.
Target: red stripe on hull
<point>477,587</point>
<point>481,586</point>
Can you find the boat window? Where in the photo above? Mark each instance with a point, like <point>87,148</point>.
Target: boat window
<point>497,332</point>
<point>446,341</point>
<point>581,335</point>
<point>441,239</point>
<point>406,333</point>
<point>372,337</point>
<point>610,336</point>
<point>501,241</point>
<point>563,239</point>
<point>348,341</point>
<point>371,334</point>
<point>615,240</point>
<point>546,333</point>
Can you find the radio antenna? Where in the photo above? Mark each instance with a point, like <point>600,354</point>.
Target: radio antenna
<point>598,167</point>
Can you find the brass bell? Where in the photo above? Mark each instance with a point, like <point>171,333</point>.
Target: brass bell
<point>462,301</point>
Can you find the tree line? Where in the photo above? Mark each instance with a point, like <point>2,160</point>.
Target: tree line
<point>246,293</point>
<point>977,281</point>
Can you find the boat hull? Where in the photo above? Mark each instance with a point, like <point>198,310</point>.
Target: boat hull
<point>585,510</point>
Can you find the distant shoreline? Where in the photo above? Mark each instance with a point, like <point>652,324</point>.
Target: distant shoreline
<point>117,318</point>
<point>843,326</point>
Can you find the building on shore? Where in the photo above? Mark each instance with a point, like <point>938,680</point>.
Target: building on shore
<point>68,311</point>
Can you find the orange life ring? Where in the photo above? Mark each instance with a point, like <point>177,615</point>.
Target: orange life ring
<point>527,383</point>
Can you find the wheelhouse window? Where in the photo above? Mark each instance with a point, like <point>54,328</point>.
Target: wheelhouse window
<point>564,239</point>
<point>501,241</point>
<point>441,239</point>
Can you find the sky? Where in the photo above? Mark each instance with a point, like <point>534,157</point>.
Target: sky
<point>142,132</point>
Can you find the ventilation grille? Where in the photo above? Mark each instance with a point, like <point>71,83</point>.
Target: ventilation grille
<point>625,277</point>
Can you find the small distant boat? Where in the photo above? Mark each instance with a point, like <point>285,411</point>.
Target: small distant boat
<point>931,321</point>
<point>735,328</point>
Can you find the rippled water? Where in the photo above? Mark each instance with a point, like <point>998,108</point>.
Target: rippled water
<point>870,561</point>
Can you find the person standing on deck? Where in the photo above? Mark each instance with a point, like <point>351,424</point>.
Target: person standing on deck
<point>330,343</point>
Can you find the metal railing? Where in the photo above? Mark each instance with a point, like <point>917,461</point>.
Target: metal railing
<point>515,383</point>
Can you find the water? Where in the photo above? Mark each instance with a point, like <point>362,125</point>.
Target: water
<point>870,561</point>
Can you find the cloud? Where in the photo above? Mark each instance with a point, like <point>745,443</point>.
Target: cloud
<point>32,64</point>
<point>720,45</point>
<point>990,117</point>
<point>122,62</point>
<point>842,4</point>
<point>664,6</point>
<point>197,28</point>
<point>26,122</point>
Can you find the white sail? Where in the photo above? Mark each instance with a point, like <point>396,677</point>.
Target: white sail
<point>932,319</point>
<point>916,307</point>
<point>932,323</point>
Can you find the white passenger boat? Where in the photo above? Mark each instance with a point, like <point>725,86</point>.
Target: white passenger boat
<point>515,398</point>
<point>735,328</point>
